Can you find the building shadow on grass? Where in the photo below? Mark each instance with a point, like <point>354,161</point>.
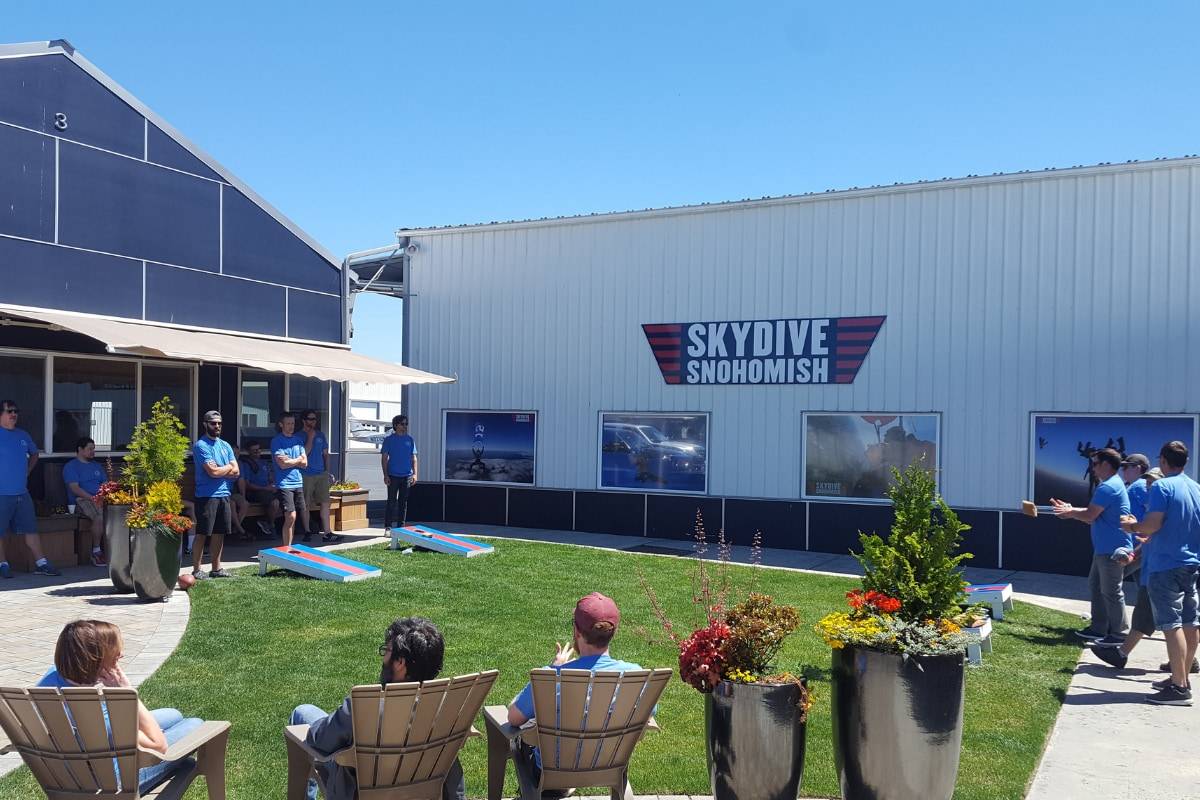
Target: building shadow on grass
<point>1045,635</point>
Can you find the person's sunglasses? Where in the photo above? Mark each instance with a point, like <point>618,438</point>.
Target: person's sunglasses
<point>385,648</point>
<point>310,419</point>
<point>12,411</point>
<point>216,423</point>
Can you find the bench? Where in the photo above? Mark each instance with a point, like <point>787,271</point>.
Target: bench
<point>997,595</point>
<point>979,640</point>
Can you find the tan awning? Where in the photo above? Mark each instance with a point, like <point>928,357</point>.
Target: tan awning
<point>330,363</point>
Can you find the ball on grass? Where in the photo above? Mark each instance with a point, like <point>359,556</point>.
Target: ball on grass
<point>186,581</point>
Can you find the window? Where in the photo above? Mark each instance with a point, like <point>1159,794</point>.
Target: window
<point>654,452</point>
<point>305,393</point>
<point>173,382</point>
<point>849,455</point>
<point>24,382</point>
<point>94,397</point>
<point>262,403</point>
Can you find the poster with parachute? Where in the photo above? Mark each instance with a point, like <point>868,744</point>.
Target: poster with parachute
<point>489,446</point>
<point>850,455</point>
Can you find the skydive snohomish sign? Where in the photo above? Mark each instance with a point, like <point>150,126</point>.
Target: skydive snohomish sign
<point>802,351</point>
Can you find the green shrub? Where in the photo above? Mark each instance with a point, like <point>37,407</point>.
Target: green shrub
<point>157,449</point>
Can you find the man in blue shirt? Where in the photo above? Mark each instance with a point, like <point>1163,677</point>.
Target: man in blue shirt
<point>1133,472</point>
<point>596,621</point>
<point>18,455</point>
<point>216,472</point>
<point>1172,524</point>
<point>1110,503</point>
<point>399,460</point>
<point>287,451</point>
<point>316,477</point>
<point>82,476</point>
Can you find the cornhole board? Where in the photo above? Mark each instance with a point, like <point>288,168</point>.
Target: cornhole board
<point>979,641</point>
<point>438,541</point>
<point>997,595</point>
<point>315,564</point>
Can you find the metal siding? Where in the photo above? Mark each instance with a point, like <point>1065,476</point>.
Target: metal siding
<point>258,246</point>
<point>188,297</point>
<point>70,280</point>
<point>317,317</point>
<point>162,149</point>
<point>131,208</point>
<point>1003,297</point>
<point>26,184</point>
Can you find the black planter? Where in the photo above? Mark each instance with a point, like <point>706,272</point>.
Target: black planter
<point>897,724</point>
<point>118,547</point>
<point>153,563</point>
<point>755,741</point>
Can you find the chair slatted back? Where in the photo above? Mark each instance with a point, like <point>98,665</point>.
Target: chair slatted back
<point>591,721</point>
<point>64,738</point>
<point>408,734</point>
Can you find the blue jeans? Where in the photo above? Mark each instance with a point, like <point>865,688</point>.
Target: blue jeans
<point>306,715</point>
<point>175,726</point>
<point>1173,598</point>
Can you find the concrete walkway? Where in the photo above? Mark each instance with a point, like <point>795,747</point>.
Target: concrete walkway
<point>1107,742</point>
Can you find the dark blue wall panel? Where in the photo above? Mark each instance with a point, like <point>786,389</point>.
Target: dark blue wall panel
<point>257,246</point>
<point>136,209</point>
<point>33,90</point>
<point>162,149</point>
<point>26,184</point>
<point>186,297</point>
<point>780,522</point>
<point>59,277</point>
<point>314,316</point>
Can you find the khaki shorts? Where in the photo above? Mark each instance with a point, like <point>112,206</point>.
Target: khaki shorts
<point>88,508</point>
<point>316,490</point>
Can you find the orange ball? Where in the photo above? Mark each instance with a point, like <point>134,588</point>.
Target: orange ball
<point>186,581</point>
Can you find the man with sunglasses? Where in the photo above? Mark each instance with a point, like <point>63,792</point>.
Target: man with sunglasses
<point>18,455</point>
<point>316,476</point>
<point>399,461</point>
<point>413,650</point>
<point>216,472</point>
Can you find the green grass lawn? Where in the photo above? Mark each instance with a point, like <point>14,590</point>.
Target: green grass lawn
<point>257,647</point>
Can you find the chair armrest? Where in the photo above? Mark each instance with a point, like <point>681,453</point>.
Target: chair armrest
<point>297,735</point>
<point>7,747</point>
<point>188,744</point>
<point>495,718</point>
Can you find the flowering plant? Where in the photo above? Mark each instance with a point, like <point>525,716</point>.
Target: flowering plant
<point>736,642</point>
<point>345,486</point>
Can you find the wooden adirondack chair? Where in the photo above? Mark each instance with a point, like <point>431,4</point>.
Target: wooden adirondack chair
<point>586,725</point>
<point>63,738</point>
<point>406,737</point>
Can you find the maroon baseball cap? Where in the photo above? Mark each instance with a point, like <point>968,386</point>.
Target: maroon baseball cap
<point>596,608</point>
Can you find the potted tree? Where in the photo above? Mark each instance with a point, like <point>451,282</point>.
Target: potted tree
<point>755,716</point>
<point>898,653</point>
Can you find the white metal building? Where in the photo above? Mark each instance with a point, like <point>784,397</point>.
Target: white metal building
<point>1009,303</point>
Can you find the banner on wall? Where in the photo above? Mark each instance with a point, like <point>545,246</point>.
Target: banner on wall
<point>654,452</point>
<point>771,351</point>
<point>489,446</point>
<point>1063,445</point>
<point>852,455</point>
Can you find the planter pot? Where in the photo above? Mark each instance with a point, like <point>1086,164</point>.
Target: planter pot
<point>897,724</point>
<point>348,509</point>
<point>153,563</point>
<point>117,545</point>
<point>755,741</point>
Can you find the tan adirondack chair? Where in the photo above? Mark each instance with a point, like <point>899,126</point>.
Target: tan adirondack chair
<point>586,725</point>
<point>406,737</point>
<point>62,736</point>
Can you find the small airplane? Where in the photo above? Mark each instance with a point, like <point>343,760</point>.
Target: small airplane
<point>369,431</point>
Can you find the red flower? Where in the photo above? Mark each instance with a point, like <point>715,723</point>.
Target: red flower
<point>701,656</point>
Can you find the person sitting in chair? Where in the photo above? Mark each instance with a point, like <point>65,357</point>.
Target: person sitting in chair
<point>412,650</point>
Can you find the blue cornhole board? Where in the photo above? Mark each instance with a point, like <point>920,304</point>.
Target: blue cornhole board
<point>997,595</point>
<point>315,564</point>
<point>438,541</point>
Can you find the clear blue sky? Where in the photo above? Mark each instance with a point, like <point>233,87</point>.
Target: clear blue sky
<point>355,120</point>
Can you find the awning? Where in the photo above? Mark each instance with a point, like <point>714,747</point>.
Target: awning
<point>329,363</point>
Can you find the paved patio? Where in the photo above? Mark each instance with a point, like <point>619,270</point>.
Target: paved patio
<point>1106,742</point>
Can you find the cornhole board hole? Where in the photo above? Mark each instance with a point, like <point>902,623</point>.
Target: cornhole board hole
<point>315,564</point>
<point>438,541</point>
<point>997,595</point>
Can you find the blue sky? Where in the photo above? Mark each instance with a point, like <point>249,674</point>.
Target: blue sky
<point>359,119</point>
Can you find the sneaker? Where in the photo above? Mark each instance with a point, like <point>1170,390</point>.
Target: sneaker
<point>1089,634</point>
<point>1109,641</point>
<point>1110,655</point>
<point>98,560</point>
<point>199,574</point>
<point>5,571</point>
<point>1171,696</point>
<point>332,538</point>
<point>46,569</point>
<point>1195,670</point>
<point>307,537</point>
<point>220,573</point>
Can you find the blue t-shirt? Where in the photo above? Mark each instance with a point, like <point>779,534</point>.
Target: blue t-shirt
<point>1107,535</point>
<point>53,679</point>
<point>256,472</point>
<point>16,446</point>
<point>288,447</point>
<point>1177,542</point>
<point>220,453</point>
<point>601,663</point>
<point>400,449</point>
<point>1137,492</point>
<point>88,474</point>
<point>316,458</point>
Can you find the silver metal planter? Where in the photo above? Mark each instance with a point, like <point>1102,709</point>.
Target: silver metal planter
<point>897,724</point>
<point>153,563</point>
<point>117,545</point>
<point>755,741</point>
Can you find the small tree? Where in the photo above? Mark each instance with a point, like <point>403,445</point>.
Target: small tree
<point>917,564</point>
<point>157,448</point>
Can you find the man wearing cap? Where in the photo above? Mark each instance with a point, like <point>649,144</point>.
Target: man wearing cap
<point>596,620</point>
<point>216,472</point>
<point>1133,472</point>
